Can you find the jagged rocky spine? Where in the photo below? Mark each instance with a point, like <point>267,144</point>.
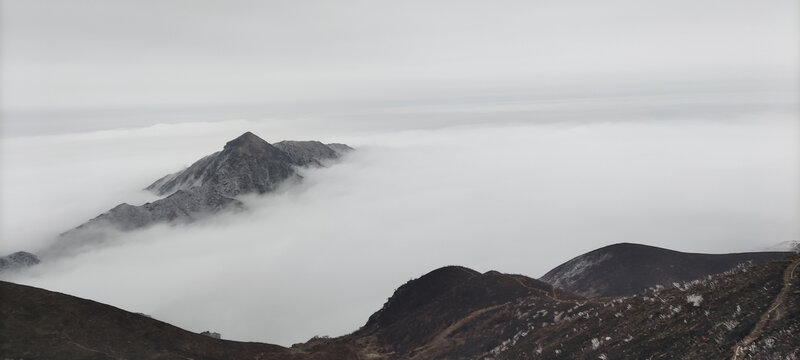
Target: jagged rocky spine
<point>246,164</point>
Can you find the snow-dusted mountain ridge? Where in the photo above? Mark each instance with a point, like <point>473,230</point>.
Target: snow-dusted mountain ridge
<point>246,164</point>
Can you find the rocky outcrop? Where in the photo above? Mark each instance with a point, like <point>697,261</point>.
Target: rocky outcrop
<point>247,164</point>
<point>211,334</point>
<point>340,148</point>
<point>18,260</point>
<point>183,205</point>
<point>306,153</point>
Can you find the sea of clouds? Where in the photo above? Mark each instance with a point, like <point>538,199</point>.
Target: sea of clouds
<point>512,188</point>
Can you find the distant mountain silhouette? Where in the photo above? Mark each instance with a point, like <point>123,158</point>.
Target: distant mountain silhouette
<point>628,269</point>
<point>246,164</point>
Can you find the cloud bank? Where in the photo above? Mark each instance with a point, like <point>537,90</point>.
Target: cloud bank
<point>320,257</point>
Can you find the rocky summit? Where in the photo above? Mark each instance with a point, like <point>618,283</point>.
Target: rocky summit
<point>246,164</point>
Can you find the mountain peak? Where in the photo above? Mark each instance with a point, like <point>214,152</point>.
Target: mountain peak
<point>246,164</point>
<point>245,141</point>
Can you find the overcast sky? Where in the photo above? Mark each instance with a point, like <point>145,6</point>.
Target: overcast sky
<point>143,61</point>
<point>506,135</point>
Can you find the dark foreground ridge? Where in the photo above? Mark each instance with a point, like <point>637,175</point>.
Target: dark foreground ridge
<point>627,269</point>
<point>40,324</point>
<point>457,313</point>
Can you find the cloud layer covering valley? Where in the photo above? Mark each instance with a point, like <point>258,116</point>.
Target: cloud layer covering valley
<point>509,136</point>
<point>318,258</point>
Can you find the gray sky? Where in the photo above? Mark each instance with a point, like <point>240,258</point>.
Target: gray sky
<point>141,62</point>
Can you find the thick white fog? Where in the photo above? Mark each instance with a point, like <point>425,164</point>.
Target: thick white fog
<point>320,257</point>
<point>508,135</point>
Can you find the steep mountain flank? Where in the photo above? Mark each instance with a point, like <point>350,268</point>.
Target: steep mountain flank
<point>487,317</point>
<point>247,164</point>
<point>417,321</point>
<point>627,269</point>
<point>697,320</point>
<point>305,153</point>
<point>340,148</point>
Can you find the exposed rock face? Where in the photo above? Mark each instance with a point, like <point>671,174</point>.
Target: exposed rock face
<point>18,260</point>
<point>457,313</point>
<point>247,164</point>
<point>305,153</point>
<point>211,334</point>
<point>628,269</point>
<point>340,148</point>
<point>783,246</point>
<point>183,205</point>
